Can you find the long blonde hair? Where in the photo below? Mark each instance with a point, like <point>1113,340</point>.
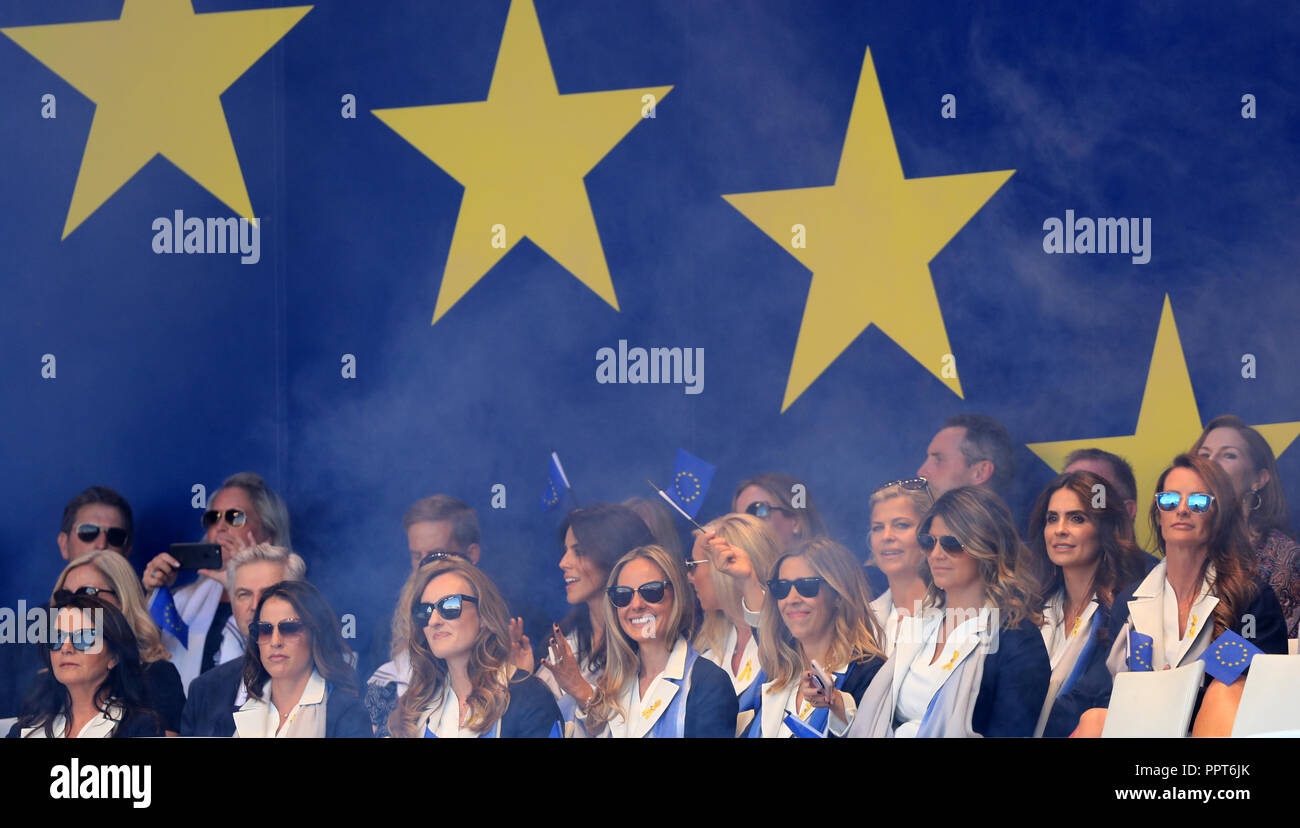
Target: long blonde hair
<point>622,654</point>
<point>129,594</point>
<point>857,635</point>
<point>490,665</point>
<point>757,539</point>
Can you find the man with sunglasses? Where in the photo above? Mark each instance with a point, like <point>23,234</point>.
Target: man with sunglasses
<point>217,694</point>
<point>98,518</point>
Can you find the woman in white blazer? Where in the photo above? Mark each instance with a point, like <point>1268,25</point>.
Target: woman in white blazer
<point>1082,549</point>
<point>977,666</point>
<point>463,679</point>
<point>655,684</point>
<point>896,511</point>
<point>726,635</point>
<point>297,675</point>
<point>815,616</point>
<point>1207,583</point>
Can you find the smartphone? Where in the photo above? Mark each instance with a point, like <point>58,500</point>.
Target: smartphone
<point>819,674</point>
<point>197,555</point>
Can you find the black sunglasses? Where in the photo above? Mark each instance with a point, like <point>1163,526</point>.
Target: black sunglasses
<point>61,595</point>
<point>87,532</point>
<point>807,587</point>
<point>440,555</point>
<point>690,565</point>
<point>82,639</point>
<point>912,484</point>
<point>761,509</point>
<point>266,628</point>
<point>234,517</point>
<point>448,606</point>
<point>651,591</point>
<point>949,543</point>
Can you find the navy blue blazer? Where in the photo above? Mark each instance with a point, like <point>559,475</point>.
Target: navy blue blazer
<point>1014,684</point>
<point>1093,689</point>
<point>711,705</point>
<point>210,708</point>
<point>346,716</point>
<point>532,713</point>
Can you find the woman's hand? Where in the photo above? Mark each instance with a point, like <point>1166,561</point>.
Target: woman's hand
<point>727,559</point>
<point>160,572</point>
<point>565,668</point>
<point>819,696</point>
<point>1090,724</point>
<point>521,650</point>
<point>231,545</point>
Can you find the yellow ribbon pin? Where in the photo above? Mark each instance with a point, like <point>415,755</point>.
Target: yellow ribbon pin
<point>648,712</point>
<point>948,666</point>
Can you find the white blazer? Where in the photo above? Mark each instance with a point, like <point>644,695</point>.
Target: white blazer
<point>1153,611</point>
<point>776,706</point>
<point>644,713</point>
<point>749,665</point>
<point>258,719</point>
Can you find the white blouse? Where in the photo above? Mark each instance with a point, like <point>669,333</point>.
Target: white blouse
<point>444,717</point>
<point>749,666</point>
<point>101,726</point>
<point>260,719</point>
<point>1176,645</point>
<point>924,679</point>
<point>1055,634</point>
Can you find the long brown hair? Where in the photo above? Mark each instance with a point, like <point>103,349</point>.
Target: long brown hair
<point>1270,513</point>
<point>1228,546</point>
<point>1119,559</point>
<point>857,636</point>
<point>982,522</point>
<point>329,653</point>
<point>490,666</point>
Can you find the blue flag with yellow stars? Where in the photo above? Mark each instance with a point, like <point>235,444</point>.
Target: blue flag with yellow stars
<point>1228,656</point>
<point>1139,652</point>
<point>691,479</point>
<point>556,484</point>
<point>162,609</point>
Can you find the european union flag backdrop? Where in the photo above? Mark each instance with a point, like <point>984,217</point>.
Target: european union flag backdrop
<point>827,226</point>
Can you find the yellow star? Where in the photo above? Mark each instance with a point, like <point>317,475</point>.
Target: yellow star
<point>869,241</point>
<point>156,76</point>
<point>522,155</point>
<point>1168,423</point>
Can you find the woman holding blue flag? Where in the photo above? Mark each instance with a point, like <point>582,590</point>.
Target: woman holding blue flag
<point>655,684</point>
<point>1206,586</point>
<point>463,680</point>
<point>819,644</point>
<point>974,663</point>
<point>725,636</point>
<point>1082,550</point>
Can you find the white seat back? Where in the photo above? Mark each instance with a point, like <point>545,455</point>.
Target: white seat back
<point>1153,704</point>
<point>1268,701</point>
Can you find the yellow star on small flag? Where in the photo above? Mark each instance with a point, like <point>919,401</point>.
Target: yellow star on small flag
<point>1168,423</point>
<point>522,155</point>
<point>868,240</point>
<point>156,76</point>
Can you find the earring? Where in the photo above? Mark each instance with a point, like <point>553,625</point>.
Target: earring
<point>1259,501</point>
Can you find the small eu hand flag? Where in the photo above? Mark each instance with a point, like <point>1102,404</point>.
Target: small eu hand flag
<point>801,729</point>
<point>162,609</point>
<point>556,484</point>
<point>691,479</point>
<point>1140,656</point>
<point>1228,656</point>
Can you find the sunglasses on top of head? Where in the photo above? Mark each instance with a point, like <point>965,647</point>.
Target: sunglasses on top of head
<point>807,587</point>
<point>234,517</point>
<point>948,543</point>
<point>440,555</point>
<point>912,484</point>
<point>87,532</point>
<point>448,606</point>
<point>1196,501</point>
<point>651,591</point>
<point>265,629</point>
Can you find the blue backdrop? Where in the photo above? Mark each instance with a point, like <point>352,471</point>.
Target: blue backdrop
<point>178,369</point>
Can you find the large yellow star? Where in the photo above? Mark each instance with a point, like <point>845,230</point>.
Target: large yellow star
<point>156,76</point>
<point>521,156</point>
<point>1168,423</point>
<point>869,241</point>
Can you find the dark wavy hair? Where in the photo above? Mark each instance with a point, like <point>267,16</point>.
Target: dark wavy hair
<point>605,533</point>
<point>124,687</point>
<point>329,653</point>
<point>1228,545</point>
<point>1119,558</point>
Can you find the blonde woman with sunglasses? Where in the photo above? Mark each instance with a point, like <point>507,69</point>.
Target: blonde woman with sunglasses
<point>655,684</point>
